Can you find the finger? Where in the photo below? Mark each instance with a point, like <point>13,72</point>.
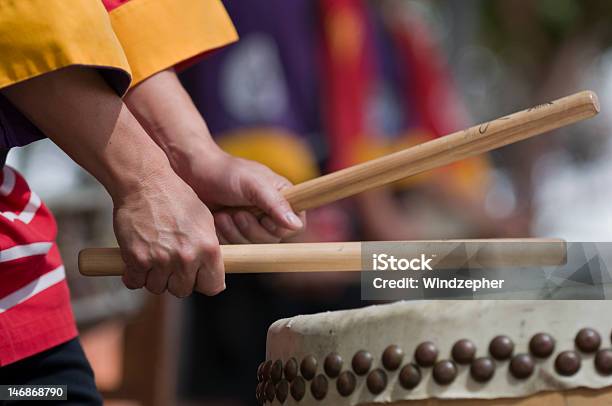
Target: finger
<point>281,232</point>
<point>273,203</point>
<point>225,224</point>
<point>221,237</point>
<point>157,279</point>
<point>284,183</point>
<point>137,266</point>
<point>251,229</point>
<point>134,278</point>
<point>182,281</point>
<point>273,228</point>
<point>211,274</point>
<point>303,218</point>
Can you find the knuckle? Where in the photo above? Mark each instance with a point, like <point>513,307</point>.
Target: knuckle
<point>211,254</point>
<point>161,257</point>
<point>285,183</point>
<point>210,248</point>
<point>141,260</point>
<point>187,256</point>
<point>280,199</point>
<point>130,282</point>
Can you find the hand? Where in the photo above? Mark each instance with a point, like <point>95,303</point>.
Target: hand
<point>167,113</point>
<point>165,232</point>
<point>167,239</point>
<point>222,180</point>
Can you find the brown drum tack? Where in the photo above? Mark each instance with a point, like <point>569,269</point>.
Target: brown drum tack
<point>271,384</point>
<point>426,354</point>
<point>318,387</point>
<point>308,367</point>
<point>362,362</point>
<point>501,347</point>
<point>291,369</point>
<point>346,383</point>
<point>276,372</point>
<point>603,361</point>
<point>270,391</point>
<point>588,340</point>
<point>392,357</point>
<point>463,351</point>
<point>482,369</point>
<point>260,372</point>
<point>379,377</point>
<point>282,390</point>
<point>259,393</point>
<point>445,372</point>
<point>266,370</point>
<point>567,363</point>
<point>333,365</point>
<point>298,388</point>
<point>410,376</point>
<point>542,345</point>
<point>377,381</point>
<point>522,366</point>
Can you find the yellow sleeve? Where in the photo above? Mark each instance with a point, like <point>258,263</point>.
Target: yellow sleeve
<point>40,36</point>
<point>282,151</point>
<point>159,34</point>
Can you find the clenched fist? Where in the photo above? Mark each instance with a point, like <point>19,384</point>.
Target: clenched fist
<point>167,239</point>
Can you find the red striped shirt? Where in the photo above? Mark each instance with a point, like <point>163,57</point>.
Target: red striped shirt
<point>35,312</point>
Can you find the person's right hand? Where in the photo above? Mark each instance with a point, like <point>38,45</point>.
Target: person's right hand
<point>167,239</point>
<point>166,234</point>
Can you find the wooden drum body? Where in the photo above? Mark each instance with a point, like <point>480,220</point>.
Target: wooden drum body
<point>572,397</point>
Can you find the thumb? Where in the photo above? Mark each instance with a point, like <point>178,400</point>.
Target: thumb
<point>274,204</point>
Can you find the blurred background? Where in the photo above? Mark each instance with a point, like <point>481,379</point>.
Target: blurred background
<point>316,85</point>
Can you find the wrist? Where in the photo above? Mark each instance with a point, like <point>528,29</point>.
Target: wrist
<point>194,157</point>
<point>134,170</point>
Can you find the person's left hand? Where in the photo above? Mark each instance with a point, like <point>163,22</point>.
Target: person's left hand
<point>221,180</point>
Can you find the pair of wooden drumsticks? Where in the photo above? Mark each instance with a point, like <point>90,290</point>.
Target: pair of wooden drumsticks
<point>346,256</point>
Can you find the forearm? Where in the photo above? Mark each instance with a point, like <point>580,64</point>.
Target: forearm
<point>167,113</point>
<point>166,234</point>
<point>77,110</point>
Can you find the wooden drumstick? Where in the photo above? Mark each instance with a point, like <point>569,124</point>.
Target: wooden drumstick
<point>391,168</point>
<point>347,256</point>
<point>442,151</point>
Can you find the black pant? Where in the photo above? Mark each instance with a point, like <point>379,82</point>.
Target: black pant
<point>62,365</point>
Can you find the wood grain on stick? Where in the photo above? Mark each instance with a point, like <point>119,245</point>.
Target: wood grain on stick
<point>442,151</point>
<point>369,175</point>
<point>347,256</point>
